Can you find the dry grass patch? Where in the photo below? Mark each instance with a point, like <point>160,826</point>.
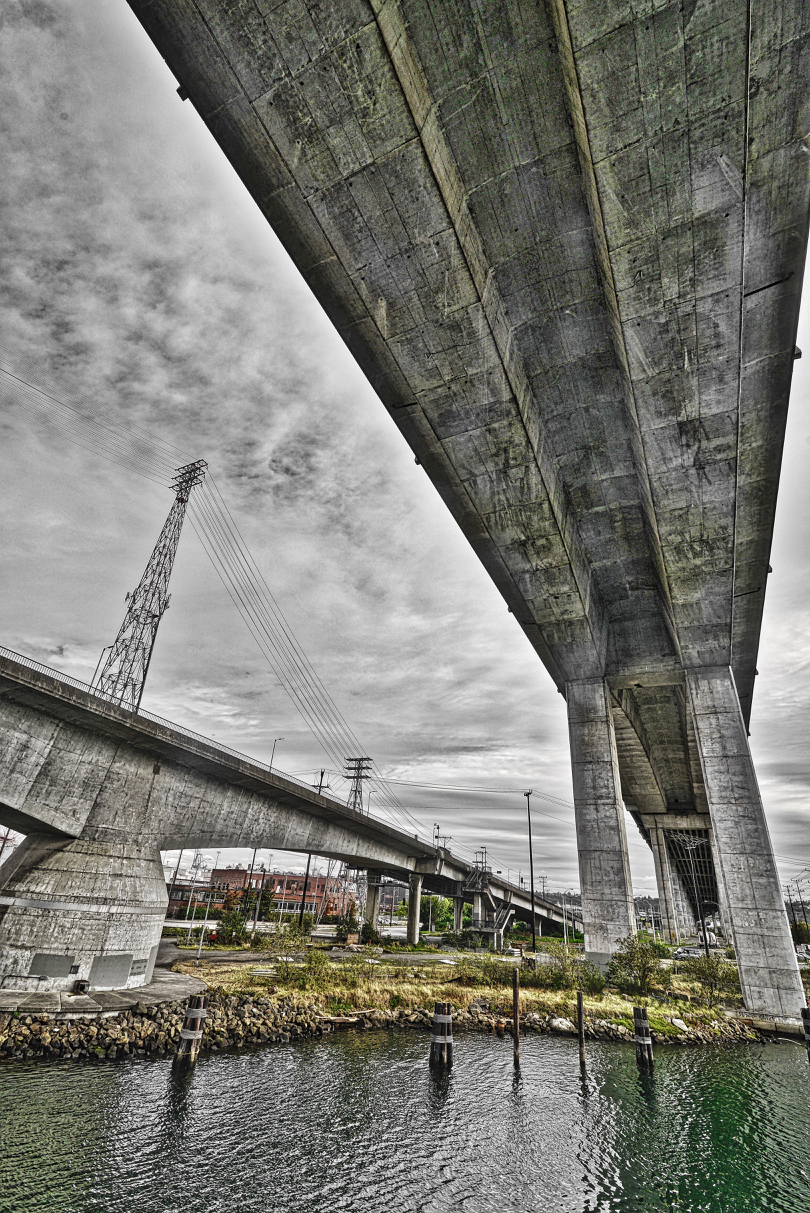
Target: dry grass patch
<point>348,986</point>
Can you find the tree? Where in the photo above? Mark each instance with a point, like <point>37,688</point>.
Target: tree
<point>714,975</point>
<point>635,964</point>
<point>232,928</point>
<point>800,932</point>
<point>346,926</point>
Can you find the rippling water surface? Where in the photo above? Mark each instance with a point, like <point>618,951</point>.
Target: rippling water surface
<point>357,1122</point>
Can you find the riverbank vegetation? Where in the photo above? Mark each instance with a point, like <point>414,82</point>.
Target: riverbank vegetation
<point>371,979</point>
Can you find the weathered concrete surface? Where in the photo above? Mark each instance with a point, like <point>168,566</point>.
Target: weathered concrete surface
<point>769,975</point>
<point>164,987</point>
<point>100,791</point>
<point>565,242</point>
<point>89,909</point>
<point>414,908</point>
<point>604,868</point>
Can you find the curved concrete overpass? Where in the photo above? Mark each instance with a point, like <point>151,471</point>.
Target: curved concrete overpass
<point>99,791</point>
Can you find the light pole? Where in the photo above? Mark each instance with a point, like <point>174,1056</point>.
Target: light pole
<point>273,751</point>
<point>528,796</point>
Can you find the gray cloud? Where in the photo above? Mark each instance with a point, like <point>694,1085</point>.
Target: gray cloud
<point>137,274</point>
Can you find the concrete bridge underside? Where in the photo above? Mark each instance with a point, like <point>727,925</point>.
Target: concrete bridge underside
<point>565,241</point>
<point>99,792</point>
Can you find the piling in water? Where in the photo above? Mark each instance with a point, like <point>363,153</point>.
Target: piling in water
<point>516,1014</point>
<point>581,1027</point>
<point>441,1038</point>
<point>191,1032</point>
<point>644,1050</point>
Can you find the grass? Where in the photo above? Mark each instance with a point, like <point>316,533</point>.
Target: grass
<point>348,986</point>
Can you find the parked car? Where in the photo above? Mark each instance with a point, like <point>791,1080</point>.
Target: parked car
<point>687,953</point>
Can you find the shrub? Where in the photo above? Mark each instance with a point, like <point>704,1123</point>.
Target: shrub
<point>347,926</point>
<point>800,932</point>
<point>368,934</point>
<point>232,928</point>
<point>635,965</point>
<point>714,975</point>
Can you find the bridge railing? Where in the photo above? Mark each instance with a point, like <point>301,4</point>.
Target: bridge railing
<point>107,700</point>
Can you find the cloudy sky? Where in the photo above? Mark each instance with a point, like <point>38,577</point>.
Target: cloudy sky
<point>138,277</point>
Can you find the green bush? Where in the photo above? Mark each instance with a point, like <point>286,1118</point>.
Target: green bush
<point>636,965</point>
<point>715,976</point>
<point>232,928</point>
<point>800,932</point>
<point>368,934</point>
<point>346,926</point>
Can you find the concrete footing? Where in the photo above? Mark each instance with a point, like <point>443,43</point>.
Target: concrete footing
<point>80,910</point>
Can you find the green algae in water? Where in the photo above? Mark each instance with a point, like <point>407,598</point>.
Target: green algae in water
<point>358,1122</point>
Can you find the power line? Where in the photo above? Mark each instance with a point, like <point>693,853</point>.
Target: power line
<point>139,451</point>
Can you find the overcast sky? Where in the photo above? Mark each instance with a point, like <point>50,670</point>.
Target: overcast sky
<point>138,275</point>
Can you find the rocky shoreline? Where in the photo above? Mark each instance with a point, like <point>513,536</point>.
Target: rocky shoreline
<point>238,1020</point>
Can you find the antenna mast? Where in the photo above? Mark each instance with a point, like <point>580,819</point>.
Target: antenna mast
<point>124,674</point>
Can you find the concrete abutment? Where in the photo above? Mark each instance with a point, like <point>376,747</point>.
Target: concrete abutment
<point>80,909</point>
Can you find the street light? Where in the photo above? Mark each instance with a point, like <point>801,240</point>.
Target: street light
<point>528,796</point>
<point>273,751</point>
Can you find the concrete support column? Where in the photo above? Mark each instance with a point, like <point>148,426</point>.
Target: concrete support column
<point>769,973</point>
<point>477,910</point>
<point>663,878</point>
<point>458,915</point>
<point>80,909</point>
<point>414,901</point>
<point>372,900</point>
<point>604,870</point>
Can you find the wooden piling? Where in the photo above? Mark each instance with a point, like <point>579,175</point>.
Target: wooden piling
<point>644,1050</point>
<point>191,1032</point>
<point>441,1038</point>
<point>806,1026</point>
<point>516,1014</point>
<point>581,1028</point>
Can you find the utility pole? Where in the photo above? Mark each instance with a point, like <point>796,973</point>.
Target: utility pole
<point>123,675</point>
<point>304,894</point>
<point>528,796</point>
<point>273,751</point>
<point>357,769</point>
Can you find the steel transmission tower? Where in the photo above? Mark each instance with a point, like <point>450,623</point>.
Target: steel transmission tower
<point>357,769</point>
<point>124,673</point>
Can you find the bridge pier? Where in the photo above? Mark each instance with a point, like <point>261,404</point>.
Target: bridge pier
<point>372,899</point>
<point>458,915</point>
<point>414,904</point>
<point>746,870</point>
<point>604,871</point>
<point>80,909</point>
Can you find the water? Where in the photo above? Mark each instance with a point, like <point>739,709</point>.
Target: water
<point>357,1122</point>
